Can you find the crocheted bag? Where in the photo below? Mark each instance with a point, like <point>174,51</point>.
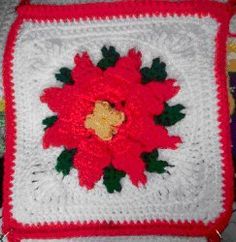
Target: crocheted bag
<point>117,122</point>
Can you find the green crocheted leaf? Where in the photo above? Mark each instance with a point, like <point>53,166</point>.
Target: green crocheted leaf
<point>49,121</point>
<point>157,72</point>
<point>153,164</point>
<point>2,119</point>
<point>64,76</point>
<point>110,57</point>
<point>65,161</point>
<point>2,136</point>
<point>111,179</point>
<point>170,116</point>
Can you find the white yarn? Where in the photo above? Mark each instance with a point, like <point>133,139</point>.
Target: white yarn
<point>8,14</point>
<point>233,25</point>
<point>193,191</point>
<point>124,239</point>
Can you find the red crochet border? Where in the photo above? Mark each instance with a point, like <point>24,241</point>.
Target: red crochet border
<point>221,13</point>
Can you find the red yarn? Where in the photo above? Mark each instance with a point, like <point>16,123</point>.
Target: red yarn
<point>55,229</point>
<point>121,86</point>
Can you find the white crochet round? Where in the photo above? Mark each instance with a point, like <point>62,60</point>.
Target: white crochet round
<point>192,190</point>
<point>8,14</point>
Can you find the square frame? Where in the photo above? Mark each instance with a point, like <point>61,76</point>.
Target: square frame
<point>221,13</point>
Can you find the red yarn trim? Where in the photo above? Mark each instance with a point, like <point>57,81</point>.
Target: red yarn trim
<point>232,2</point>
<point>221,13</point>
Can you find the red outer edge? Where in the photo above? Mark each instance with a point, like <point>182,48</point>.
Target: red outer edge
<point>10,121</point>
<point>232,35</point>
<point>221,13</point>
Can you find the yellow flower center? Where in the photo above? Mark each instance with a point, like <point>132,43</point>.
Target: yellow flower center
<point>104,120</point>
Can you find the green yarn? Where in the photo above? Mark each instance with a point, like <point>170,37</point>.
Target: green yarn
<point>157,72</point>
<point>170,116</point>
<point>65,161</point>
<point>49,121</point>
<point>110,57</point>
<point>111,179</point>
<point>153,164</point>
<point>2,133</point>
<point>2,120</point>
<point>64,76</point>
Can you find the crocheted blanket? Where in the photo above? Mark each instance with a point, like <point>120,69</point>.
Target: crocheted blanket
<point>117,121</point>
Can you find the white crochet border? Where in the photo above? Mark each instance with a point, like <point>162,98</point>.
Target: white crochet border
<point>124,239</point>
<point>7,16</point>
<point>193,191</point>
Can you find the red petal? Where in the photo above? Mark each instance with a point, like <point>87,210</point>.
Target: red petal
<point>153,136</point>
<point>59,135</point>
<point>92,157</point>
<point>132,60</point>
<point>85,73</point>
<point>110,89</point>
<point>127,68</point>
<point>65,132</point>
<point>141,127</point>
<point>67,100</point>
<point>126,157</point>
<point>157,136</point>
<point>143,102</point>
<point>54,97</point>
<point>163,91</point>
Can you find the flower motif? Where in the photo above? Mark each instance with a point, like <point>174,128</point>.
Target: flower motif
<point>104,120</point>
<point>107,115</point>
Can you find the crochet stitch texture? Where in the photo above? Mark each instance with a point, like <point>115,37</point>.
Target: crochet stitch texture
<point>193,197</point>
<point>87,122</point>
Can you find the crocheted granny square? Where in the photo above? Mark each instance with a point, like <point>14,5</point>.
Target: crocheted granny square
<point>117,122</point>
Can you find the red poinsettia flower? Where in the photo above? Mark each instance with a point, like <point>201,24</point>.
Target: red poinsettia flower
<point>108,116</point>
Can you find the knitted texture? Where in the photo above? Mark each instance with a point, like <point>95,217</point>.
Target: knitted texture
<point>192,195</point>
